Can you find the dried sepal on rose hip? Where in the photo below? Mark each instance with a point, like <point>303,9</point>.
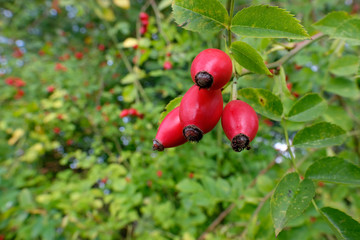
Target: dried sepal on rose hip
<point>169,133</point>
<point>211,69</point>
<point>200,111</point>
<point>240,124</point>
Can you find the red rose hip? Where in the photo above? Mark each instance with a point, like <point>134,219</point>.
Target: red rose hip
<point>211,68</point>
<point>200,111</point>
<point>240,124</point>
<point>169,133</point>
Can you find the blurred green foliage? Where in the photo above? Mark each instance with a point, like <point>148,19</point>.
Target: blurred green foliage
<point>71,168</point>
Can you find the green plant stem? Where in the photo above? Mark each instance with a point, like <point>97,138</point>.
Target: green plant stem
<point>128,66</point>
<point>283,124</point>
<point>299,46</point>
<point>230,6</point>
<point>224,213</point>
<point>234,89</point>
<point>292,157</point>
<point>158,21</point>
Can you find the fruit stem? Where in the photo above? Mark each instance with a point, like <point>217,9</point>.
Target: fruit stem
<point>234,89</point>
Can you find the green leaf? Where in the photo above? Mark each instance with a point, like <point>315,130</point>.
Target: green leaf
<point>343,86</point>
<point>290,199</point>
<point>263,101</point>
<point>200,15</point>
<point>264,21</point>
<point>319,135</point>
<point>334,170</point>
<point>169,107</point>
<point>330,22</point>
<point>344,226</point>
<point>345,66</point>
<point>248,57</point>
<point>280,88</point>
<point>338,116</point>
<point>307,108</point>
<point>349,30</point>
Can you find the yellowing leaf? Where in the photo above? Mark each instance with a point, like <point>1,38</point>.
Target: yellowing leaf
<point>106,14</point>
<point>49,117</point>
<point>17,134</point>
<point>130,42</point>
<point>104,3</point>
<point>125,4</point>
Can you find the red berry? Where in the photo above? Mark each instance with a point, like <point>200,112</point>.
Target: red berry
<point>211,68</point>
<point>168,54</point>
<point>159,173</point>
<point>143,16</point>
<point>133,112</point>
<point>298,67</point>
<point>10,81</point>
<point>60,117</point>
<point>295,94</point>
<point>41,52</point>
<point>145,22</point>
<point>79,55</point>
<point>321,184</point>
<point>191,175</point>
<point>101,47</point>
<point>19,83</point>
<point>50,89</point>
<point>167,65</point>
<point>19,94</point>
<point>17,53</point>
<point>98,107</point>
<point>104,180</point>
<point>57,130</point>
<point>170,132</point>
<point>289,86</point>
<point>69,142</point>
<point>60,67</point>
<point>143,29</point>
<point>240,124</point>
<point>268,122</point>
<point>135,46</point>
<point>200,111</point>
<point>124,113</point>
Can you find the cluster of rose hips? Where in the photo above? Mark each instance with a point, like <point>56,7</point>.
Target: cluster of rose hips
<point>202,107</point>
<point>144,19</point>
<point>18,83</point>
<point>132,112</point>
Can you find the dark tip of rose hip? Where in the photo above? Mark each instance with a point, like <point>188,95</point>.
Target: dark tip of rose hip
<point>192,133</point>
<point>240,142</point>
<point>157,146</point>
<point>204,79</point>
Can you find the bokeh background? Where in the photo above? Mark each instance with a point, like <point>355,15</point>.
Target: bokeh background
<point>72,166</point>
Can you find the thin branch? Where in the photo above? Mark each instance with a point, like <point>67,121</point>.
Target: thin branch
<point>158,21</point>
<point>223,214</point>
<point>299,46</point>
<point>256,212</point>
